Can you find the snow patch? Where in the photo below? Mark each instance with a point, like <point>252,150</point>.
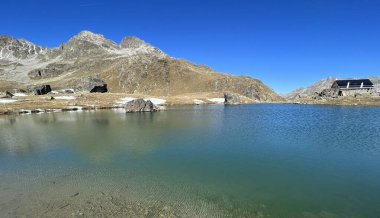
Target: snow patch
<point>216,100</point>
<point>62,91</point>
<point>197,101</point>
<point>19,94</point>
<point>65,97</point>
<point>143,49</point>
<point>7,101</point>
<point>125,100</point>
<point>156,101</point>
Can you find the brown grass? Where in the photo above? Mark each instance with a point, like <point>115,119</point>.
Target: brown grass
<point>99,100</point>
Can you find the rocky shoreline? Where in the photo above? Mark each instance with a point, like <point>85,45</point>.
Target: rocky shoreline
<point>63,102</point>
<point>342,101</point>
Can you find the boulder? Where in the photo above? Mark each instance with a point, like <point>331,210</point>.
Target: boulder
<point>40,89</point>
<point>329,93</point>
<point>91,84</point>
<point>7,95</point>
<point>140,105</point>
<point>100,89</point>
<point>231,98</point>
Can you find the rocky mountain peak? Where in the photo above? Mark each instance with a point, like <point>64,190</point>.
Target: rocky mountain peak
<point>89,36</point>
<point>5,39</point>
<point>132,42</point>
<point>12,49</point>
<point>90,45</point>
<point>87,43</point>
<point>133,45</point>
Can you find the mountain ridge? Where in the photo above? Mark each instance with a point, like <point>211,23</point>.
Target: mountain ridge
<point>132,66</point>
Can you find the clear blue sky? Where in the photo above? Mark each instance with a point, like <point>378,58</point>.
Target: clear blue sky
<point>285,43</point>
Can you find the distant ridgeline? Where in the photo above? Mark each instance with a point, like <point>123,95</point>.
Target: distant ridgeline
<point>131,66</point>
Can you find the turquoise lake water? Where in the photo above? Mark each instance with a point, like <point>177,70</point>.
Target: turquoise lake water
<point>261,160</point>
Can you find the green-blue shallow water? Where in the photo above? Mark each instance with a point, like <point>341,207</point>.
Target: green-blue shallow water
<point>262,160</point>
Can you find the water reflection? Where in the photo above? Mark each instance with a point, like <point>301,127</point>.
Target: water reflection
<point>101,134</point>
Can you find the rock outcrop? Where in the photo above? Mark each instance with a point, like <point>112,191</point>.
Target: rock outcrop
<point>87,44</point>
<point>328,93</point>
<point>231,98</point>
<point>310,91</point>
<point>51,70</point>
<point>39,89</point>
<point>12,49</point>
<point>132,42</point>
<point>91,84</point>
<point>140,105</point>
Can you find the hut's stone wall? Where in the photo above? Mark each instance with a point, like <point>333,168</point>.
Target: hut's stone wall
<point>358,92</point>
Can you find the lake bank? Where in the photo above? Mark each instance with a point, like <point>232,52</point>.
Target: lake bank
<point>342,100</point>
<point>27,104</point>
<point>96,101</point>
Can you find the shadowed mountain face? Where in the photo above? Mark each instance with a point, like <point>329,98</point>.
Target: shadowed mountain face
<point>133,66</point>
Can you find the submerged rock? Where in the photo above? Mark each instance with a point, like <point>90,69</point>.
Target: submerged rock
<point>140,105</point>
<point>92,84</point>
<point>231,98</point>
<point>40,89</point>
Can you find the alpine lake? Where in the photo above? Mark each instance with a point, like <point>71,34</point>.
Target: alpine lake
<point>257,160</point>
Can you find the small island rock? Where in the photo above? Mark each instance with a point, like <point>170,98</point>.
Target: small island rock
<point>140,105</point>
